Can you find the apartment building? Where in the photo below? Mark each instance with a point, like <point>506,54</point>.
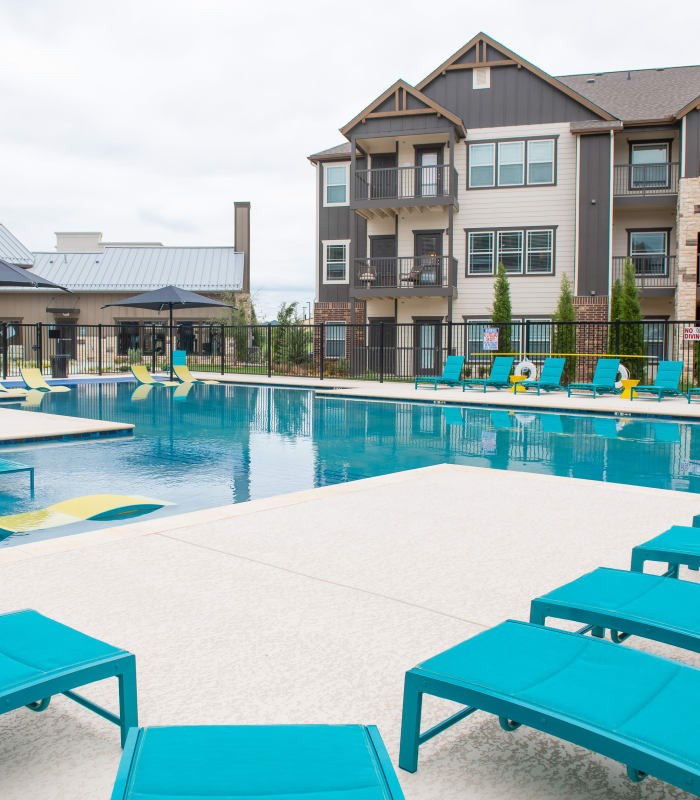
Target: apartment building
<point>490,160</point>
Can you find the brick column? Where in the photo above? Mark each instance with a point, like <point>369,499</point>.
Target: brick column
<point>591,338</point>
<point>687,231</point>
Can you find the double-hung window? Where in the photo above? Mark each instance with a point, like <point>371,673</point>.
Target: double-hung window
<point>540,252</point>
<point>335,339</point>
<point>648,251</point>
<point>335,189</point>
<point>482,164</point>
<point>510,251</point>
<point>480,252</point>
<point>650,167</point>
<point>335,261</point>
<point>540,162</point>
<point>511,163</point>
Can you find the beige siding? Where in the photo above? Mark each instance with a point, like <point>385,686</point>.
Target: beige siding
<point>527,206</point>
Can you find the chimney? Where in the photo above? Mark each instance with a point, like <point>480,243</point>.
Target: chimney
<point>241,241</point>
<point>80,242</point>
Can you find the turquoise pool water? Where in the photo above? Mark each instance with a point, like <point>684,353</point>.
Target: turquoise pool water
<point>228,444</point>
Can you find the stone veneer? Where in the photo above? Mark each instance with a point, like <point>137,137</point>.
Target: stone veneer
<point>687,232</point>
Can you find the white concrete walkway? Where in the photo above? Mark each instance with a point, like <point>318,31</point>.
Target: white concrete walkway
<point>16,424</point>
<point>309,608</point>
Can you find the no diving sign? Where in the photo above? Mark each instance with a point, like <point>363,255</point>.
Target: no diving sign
<point>691,334</point>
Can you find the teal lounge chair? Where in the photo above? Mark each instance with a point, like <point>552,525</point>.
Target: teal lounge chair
<point>665,384</point>
<point>603,378</point>
<point>40,658</point>
<point>678,546</point>
<point>652,606</point>
<point>451,373</point>
<point>550,377</point>
<point>303,762</point>
<point>636,708</point>
<point>500,372</point>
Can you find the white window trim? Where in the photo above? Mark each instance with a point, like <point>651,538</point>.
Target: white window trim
<point>493,151</point>
<point>325,184</point>
<point>522,249</point>
<point>528,162</point>
<point>523,163</point>
<point>469,252</point>
<point>344,340</point>
<point>550,271</point>
<point>324,244</point>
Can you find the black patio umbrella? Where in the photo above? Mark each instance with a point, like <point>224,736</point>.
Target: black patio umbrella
<point>11,275</point>
<point>170,297</point>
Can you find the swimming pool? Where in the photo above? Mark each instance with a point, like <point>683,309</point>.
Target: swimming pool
<point>227,444</point>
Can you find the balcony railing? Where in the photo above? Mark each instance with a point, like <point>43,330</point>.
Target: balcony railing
<point>404,272</point>
<point>651,271</point>
<point>641,180</point>
<point>406,183</point>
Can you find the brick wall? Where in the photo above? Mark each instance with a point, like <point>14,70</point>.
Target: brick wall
<point>340,312</point>
<point>591,338</point>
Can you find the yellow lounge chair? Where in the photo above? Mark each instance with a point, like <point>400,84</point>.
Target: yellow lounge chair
<point>142,375</point>
<point>142,391</point>
<point>33,379</point>
<point>182,371</point>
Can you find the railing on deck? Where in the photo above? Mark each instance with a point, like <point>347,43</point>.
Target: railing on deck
<point>652,271</point>
<point>631,180</point>
<point>406,183</point>
<point>402,272</point>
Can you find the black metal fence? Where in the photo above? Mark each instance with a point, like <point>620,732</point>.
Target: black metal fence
<point>374,351</point>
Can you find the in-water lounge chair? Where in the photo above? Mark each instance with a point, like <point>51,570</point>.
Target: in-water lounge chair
<point>40,658</point>
<point>678,546</point>
<point>603,378</point>
<point>142,375</point>
<point>550,377</point>
<point>665,384</point>
<point>33,379</point>
<point>303,762</point>
<point>498,378</point>
<point>639,709</point>
<point>653,606</point>
<point>451,373</point>
<point>182,371</point>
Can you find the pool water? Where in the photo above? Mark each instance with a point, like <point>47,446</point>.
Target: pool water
<point>228,444</point>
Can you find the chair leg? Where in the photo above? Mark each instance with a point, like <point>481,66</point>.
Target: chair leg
<point>410,724</point>
<point>128,706</point>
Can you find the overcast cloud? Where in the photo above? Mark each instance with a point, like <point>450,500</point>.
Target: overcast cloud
<point>146,119</point>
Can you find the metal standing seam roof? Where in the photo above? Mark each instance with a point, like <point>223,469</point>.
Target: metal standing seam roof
<point>12,250</point>
<point>137,269</point>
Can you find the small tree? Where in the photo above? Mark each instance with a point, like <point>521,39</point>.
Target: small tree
<point>564,339</point>
<point>501,314</point>
<point>631,333</point>
<point>291,340</point>
<point>615,311</point>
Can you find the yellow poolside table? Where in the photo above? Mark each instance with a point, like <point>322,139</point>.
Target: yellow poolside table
<point>515,380</point>
<point>628,384</point>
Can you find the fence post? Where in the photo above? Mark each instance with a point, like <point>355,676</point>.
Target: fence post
<point>4,349</point>
<point>617,337</point>
<point>525,343</point>
<point>99,348</point>
<point>269,350</point>
<point>39,346</point>
<point>223,348</point>
<point>381,352</point>
<point>153,348</point>
<point>322,349</point>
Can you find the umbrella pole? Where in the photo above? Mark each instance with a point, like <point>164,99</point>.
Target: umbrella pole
<point>171,341</point>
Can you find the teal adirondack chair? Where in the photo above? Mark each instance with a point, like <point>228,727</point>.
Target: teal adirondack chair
<point>450,374</point>
<point>668,376</point>
<point>500,372</point>
<point>550,377</point>
<point>603,378</point>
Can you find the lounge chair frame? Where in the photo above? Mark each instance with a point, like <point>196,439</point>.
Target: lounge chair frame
<point>594,386</point>
<point>449,367</point>
<point>474,383</point>
<point>668,372</point>
<point>546,385</point>
<point>36,694</point>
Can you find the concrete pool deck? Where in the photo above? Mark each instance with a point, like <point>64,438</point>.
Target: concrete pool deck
<point>28,426</point>
<point>309,607</point>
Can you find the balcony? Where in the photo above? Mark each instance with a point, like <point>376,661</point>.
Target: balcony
<point>404,276</point>
<point>647,183</point>
<point>384,192</point>
<point>655,274</point>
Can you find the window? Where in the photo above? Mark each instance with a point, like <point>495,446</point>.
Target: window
<point>511,163</point>
<point>648,251</point>
<point>482,164</point>
<point>649,165</point>
<point>510,250</point>
<point>480,253</point>
<point>654,337</point>
<point>540,161</point>
<point>335,340</point>
<point>540,252</point>
<point>335,261</point>
<point>481,78</point>
<point>507,162</point>
<point>336,185</point>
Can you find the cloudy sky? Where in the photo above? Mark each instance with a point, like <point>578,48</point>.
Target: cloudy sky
<point>146,119</point>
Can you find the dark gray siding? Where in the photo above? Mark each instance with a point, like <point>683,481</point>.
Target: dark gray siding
<point>594,215</point>
<point>692,144</point>
<point>516,97</point>
<point>386,126</point>
<point>339,222</point>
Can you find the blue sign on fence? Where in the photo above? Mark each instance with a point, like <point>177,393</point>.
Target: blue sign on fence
<point>490,339</point>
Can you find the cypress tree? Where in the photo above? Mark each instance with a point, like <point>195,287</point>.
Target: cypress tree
<point>501,314</point>
<point>615,310</point>
<point>631,335</point>
<point>564,339</point>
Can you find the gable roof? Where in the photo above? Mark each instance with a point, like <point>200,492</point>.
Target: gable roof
<point>12,250</point>
<point>401,92</point>
<point>341,152</point>
<point>135,269</point>
<point>481,44</point>
<point>641,95</point>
